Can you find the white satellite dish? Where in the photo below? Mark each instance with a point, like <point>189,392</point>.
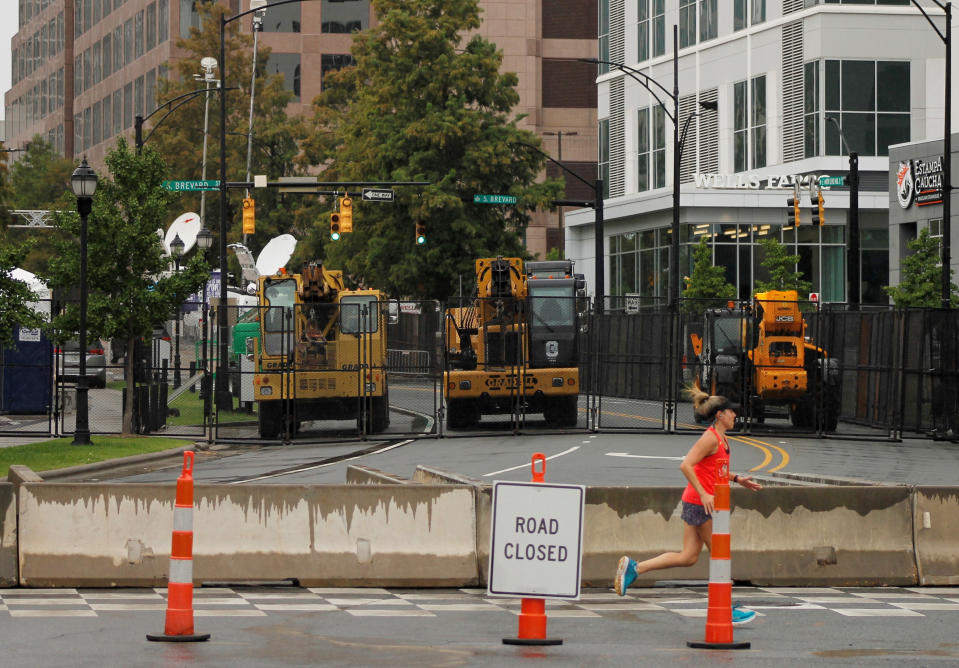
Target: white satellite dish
<point>187,226</point>
<point>275,254</point>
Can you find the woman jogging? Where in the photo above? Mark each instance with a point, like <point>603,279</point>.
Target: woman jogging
<point>700,466</point>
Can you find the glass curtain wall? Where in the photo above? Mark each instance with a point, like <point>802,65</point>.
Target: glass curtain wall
<point>639,260</point>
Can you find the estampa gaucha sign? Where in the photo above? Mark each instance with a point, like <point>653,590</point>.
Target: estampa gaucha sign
<point>919,182</point>
<point>536,540</point>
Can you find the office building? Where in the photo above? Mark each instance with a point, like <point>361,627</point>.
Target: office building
<point>83,69</point>
<point>796,86</point>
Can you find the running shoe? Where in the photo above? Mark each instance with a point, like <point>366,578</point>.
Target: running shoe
<point>743,616</point>
<point>625,575</point>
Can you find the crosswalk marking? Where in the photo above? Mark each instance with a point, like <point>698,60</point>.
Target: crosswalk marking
<point>877,612</point>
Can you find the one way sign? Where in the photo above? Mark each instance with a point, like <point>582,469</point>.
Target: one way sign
<point>377,195</point>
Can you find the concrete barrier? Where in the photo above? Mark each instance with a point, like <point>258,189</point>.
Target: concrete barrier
<point>849,536</point>
<point>937,535</point>
<point>8,535</point>
<point>357,474</point>
<point>326,535</point>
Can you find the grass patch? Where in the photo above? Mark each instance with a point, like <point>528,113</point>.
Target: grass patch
<point>58,453</point>
<point>190,406</point>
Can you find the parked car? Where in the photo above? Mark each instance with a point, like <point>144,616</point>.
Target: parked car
<point>68,363</point>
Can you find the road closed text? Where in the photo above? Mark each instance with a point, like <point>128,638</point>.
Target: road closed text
<point>536,528</point>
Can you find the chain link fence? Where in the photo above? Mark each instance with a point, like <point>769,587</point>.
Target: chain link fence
<point>876,372</point>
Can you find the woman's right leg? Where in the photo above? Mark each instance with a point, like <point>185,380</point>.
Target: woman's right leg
<point>692,545</point>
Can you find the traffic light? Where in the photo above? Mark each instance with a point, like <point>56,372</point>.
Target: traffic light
<point>249,215</point>
<point>420,233</point>
<point>346,215</point>
<point>335,226</point>
<point>816,212</point>
<point>822,209</point>
<point>792,211</point>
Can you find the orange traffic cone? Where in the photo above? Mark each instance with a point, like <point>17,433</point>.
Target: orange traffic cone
<point>719,615</point>
<point>532,614</point>
<point>179,611</point>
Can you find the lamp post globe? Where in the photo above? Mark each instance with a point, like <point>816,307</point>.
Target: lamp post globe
<point>176,250</point>
<point>84,184</point>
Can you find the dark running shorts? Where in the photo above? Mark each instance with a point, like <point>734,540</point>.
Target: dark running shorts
<point>694,514</point>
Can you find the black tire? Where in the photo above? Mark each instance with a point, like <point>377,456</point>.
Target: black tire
<point>802,414</point>
<point>561,411</point>
<point>461,414</point>
<point>377,415</point>
<point>270,417</point>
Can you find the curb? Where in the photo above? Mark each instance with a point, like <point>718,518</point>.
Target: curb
<point>55,474</point>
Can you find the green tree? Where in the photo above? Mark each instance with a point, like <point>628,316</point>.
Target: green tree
<point>706,284</point>
<point>131,287</point>
<point>39,180</point>
<point>15,295</point>
<point>424,103</point>
<point>179,139</point>
<point>781,265</point>
<point>921,277</point>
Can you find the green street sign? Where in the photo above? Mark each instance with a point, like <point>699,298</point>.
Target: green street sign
<point>192,185</point>
<point>494,199</point>
<point>829,181</point>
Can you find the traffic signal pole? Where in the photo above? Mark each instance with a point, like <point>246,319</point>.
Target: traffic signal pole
<point>852,249</point>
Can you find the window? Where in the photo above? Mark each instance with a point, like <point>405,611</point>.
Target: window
<point>107,56</point>
<point>708,22</point>
<point>687,23</point>
<point>107,117</point>
<point>642,31</point>
<point>128,105</point>
<point>748,12</point>
<point>138,96</point>
<point>659,27</point>
<point>117,111</point>
<point>285,18</point>
<point>117,49</point>
<point>344,16</point>
<point>359,315</point>
<point>163,20</point>
<point>87,70</point>
<point>749,124</point>
<point>287,64</point>
<point>603,34</point>
<point>651,149</point>
<point>77,75</point>
<point>138,35</point>
<point>189,17</point>
<point>97,69</point>
<point>330,62</point>
<point>811,108</point>
<point>97,137</point>
<point>642,150</point>
<point>151,88</point>
<point>870,99</point>
<point>151,26</point>
<point>602,164</point>
<point>128,42</point>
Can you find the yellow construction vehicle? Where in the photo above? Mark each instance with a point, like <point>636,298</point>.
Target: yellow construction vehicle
<point>514,348</point>
<point>760,355</point>
<point>322,352</point>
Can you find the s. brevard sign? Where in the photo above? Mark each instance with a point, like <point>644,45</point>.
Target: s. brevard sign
<point>919,182</point>
<point>749,181</point>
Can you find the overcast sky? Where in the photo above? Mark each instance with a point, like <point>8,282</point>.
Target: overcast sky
<point>8,28</point>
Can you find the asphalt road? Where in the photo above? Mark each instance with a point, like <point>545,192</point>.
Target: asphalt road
<point>259,626</point>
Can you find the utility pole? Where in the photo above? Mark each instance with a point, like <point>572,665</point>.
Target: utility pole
<point>559,134</point>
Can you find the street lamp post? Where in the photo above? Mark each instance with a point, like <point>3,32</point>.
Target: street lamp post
<point>946,151</point>
<point>224,401</point>
<point>257,27</point>
<point>853,249</point>
<point>84,184</point>
<point>176,250</point>
<point>204,241</point>
<point>647,82</point>
<point>208,64</point>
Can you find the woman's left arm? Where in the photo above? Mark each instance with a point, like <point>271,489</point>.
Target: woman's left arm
<point>746,481</point>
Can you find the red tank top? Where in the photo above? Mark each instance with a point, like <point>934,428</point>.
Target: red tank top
<point>707,471</point>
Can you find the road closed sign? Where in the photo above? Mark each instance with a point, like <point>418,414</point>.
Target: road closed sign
<point>536,541</point>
